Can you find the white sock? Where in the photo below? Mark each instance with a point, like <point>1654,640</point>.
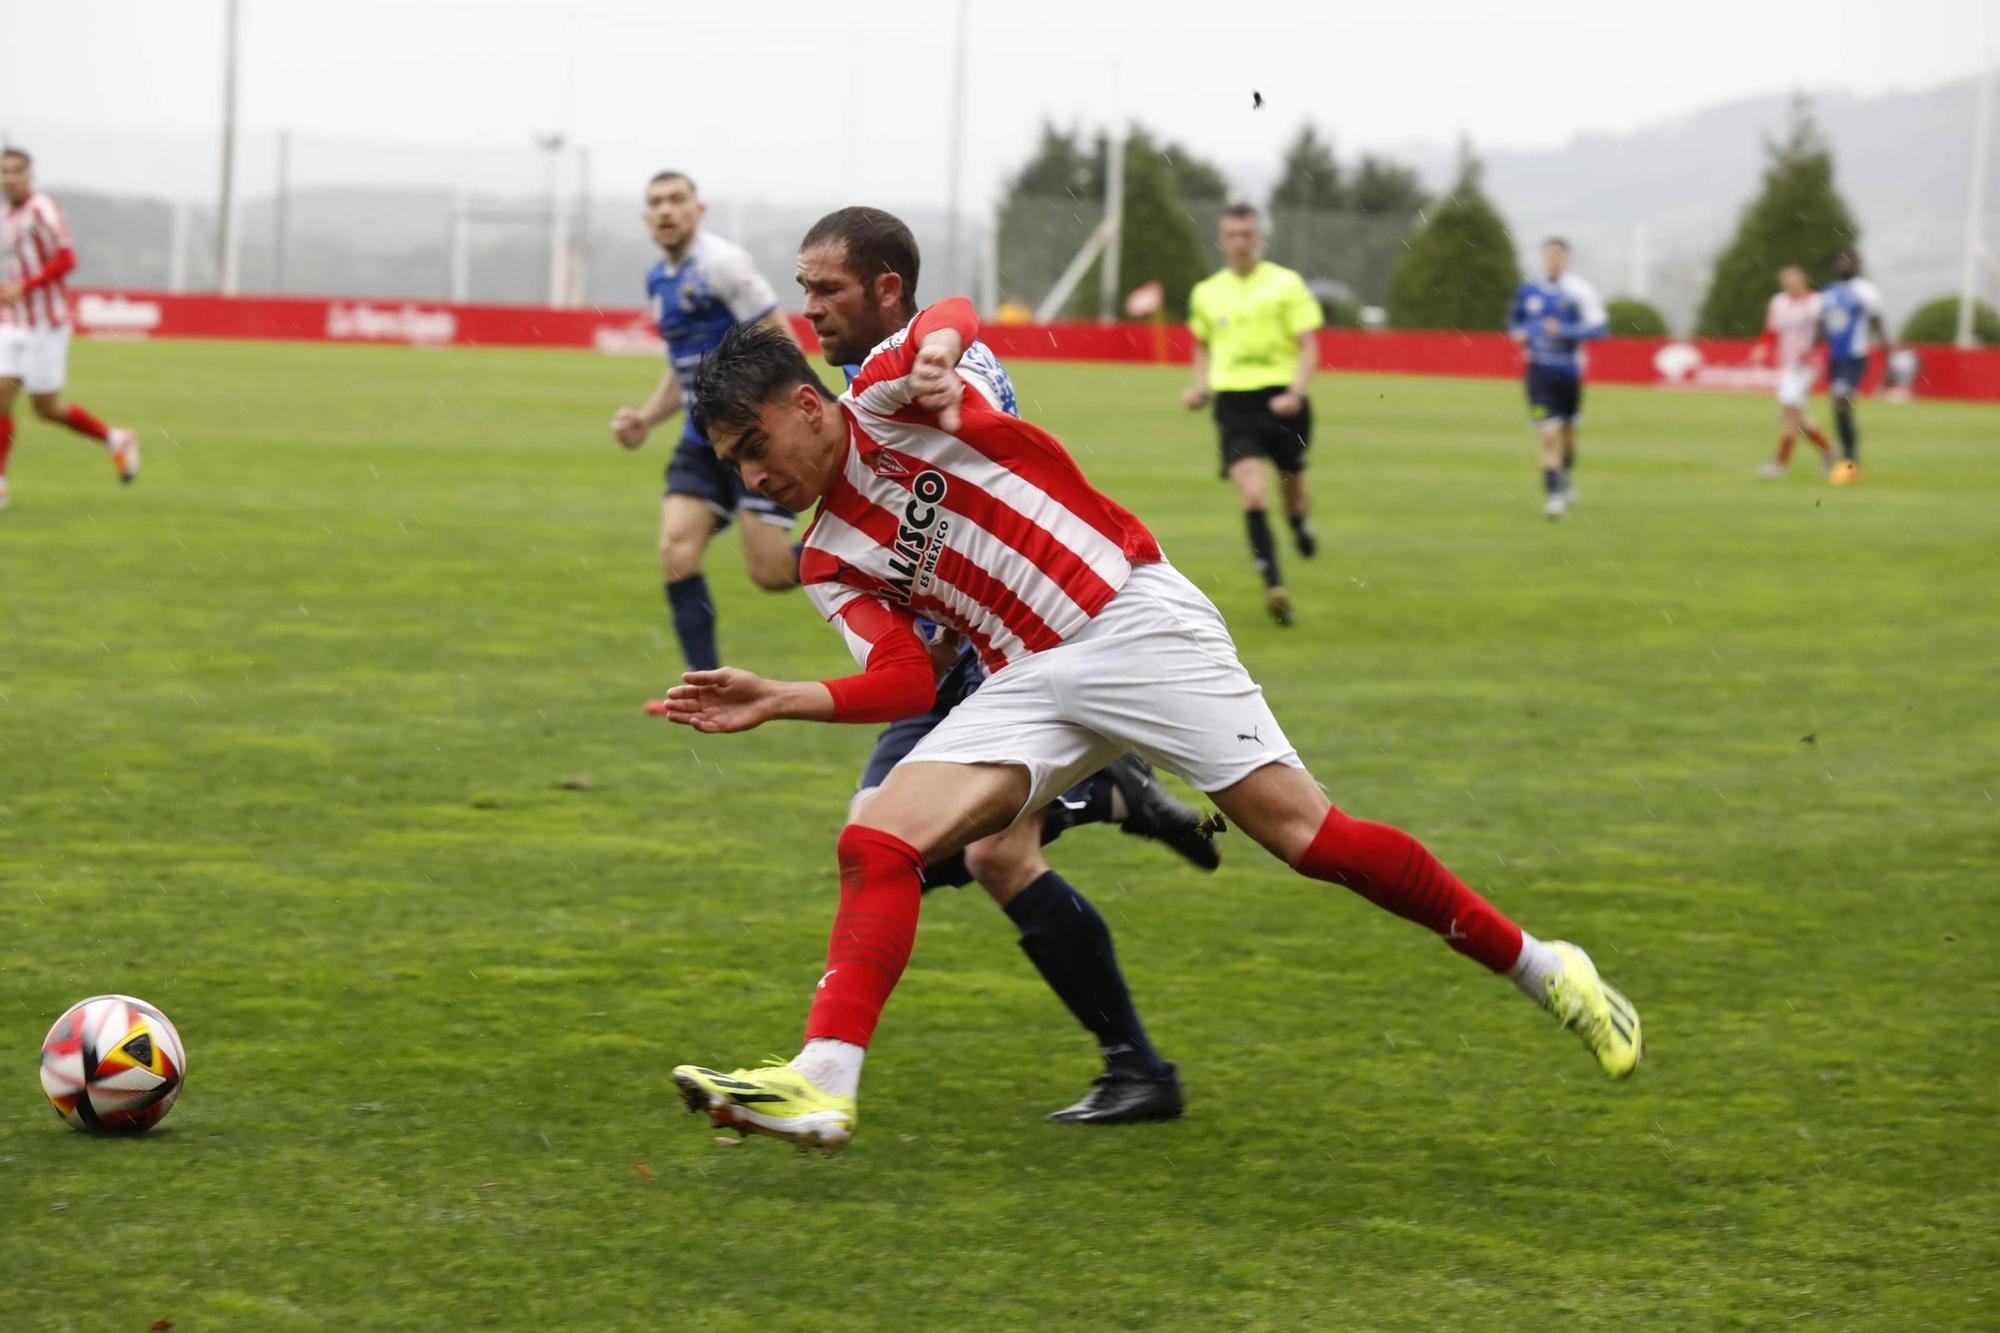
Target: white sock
<point>833,1066</point>
<point>1531,971</point>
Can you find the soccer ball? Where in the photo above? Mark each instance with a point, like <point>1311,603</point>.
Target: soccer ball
<point>113,1065</point>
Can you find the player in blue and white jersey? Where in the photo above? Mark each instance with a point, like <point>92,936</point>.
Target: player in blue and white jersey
<point>858,268</point>
<point>1850,311</point>
<point>701,288</point>
<point>1552,317</point>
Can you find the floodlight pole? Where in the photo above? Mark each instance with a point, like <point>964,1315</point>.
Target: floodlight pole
<point>1975,207</point>
<point>280,207</point>
<point>461,250</point>
<point>552,144</point>
<point>1114,219</point>
<point>957,154</point>
<point>225,220</point>
<point>580,270</point>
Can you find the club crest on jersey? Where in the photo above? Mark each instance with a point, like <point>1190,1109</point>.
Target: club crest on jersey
<point>885,464</point>
<point>919,537</point>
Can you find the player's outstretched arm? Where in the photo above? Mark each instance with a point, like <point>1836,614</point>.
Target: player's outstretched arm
<point>630,428</point>
<point>729,699</point>
<point>898,680</point>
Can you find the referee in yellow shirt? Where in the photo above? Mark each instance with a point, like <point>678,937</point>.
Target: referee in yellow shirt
<point>1254,355</point>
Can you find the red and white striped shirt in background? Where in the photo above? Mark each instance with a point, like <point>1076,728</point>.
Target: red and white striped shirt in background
<point>1792,322</point>
<point>992,530</point>
<point>36,251</point>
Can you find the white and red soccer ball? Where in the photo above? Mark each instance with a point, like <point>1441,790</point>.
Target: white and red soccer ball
<point>113,1064</point>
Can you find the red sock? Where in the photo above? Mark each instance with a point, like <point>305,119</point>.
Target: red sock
<point>1394,871</point>
<point>1785,447</point>
<point>881,889</point>
<point>1818,437</point>
<point>6,442</point>
<point>83,423</point>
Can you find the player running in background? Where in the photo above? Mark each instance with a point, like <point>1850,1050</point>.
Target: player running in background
<point>1254,354</point>
<point>858,268</point>
<point>1791,325</point>
<point>1553,316</point>
<point>935,505</point>
<point>1850,311</point>
<point>702,287</point>
<point>36,254</point>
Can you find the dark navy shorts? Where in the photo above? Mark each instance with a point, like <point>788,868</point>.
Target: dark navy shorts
<point>1844,375</point>
<point>1553,395</point>
<point>695,470</point>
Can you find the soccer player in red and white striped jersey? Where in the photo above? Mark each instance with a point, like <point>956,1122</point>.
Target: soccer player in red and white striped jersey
<point>934,504</point>
<point>1791,325</point>
<point>36,255</point>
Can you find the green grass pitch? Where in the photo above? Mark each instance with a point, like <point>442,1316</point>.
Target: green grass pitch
<point>326,737</point>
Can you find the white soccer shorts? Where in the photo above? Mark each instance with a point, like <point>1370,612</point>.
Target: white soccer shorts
<point>1794,386</point>
<point>1155,671</point>
<point>37,357</point>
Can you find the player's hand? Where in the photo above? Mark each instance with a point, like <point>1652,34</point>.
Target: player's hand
<point>1520,336</point>
<point>1194,399</point>
<point>1287,404</point>
<point>10,293</point>
<point>1551,326</point>
<point>722,700</point>
<point>934,378</point>
<point>1759,354</point>
<point>629,428</point>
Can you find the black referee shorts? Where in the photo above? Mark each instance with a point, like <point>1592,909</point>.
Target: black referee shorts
<point>1250,429</point>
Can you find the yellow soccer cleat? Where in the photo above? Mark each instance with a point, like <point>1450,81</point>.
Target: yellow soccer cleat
<point>1596,1011</point>
<point>776,1100</point>
<point>1845,473</point>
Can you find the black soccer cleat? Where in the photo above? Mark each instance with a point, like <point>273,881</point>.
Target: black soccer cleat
<point>1126,1097</point>
<point>1154,812</point>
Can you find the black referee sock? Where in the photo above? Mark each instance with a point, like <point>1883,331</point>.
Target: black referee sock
<point>1070,945</point>
<point>1263,551</point>
<point>1843,422</point>
<point>1304,535</point>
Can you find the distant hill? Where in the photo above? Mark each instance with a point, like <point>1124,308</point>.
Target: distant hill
<point>1901,160</point>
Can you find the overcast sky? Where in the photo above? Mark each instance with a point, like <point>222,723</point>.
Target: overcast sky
<point>823,103</point>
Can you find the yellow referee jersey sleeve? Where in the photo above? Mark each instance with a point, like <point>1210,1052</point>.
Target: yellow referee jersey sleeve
<point>1251,325</point>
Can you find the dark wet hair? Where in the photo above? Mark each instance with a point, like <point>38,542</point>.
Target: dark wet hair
<point>671,175</point>
<point>1240,211</point>
<point>1559,242</point>
<point>877,243</point>
<point>753,364</point>
<point>11,151</point>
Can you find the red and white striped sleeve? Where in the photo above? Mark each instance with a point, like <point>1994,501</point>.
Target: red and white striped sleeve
<point>883,386</point>
<point>896,678</point>
<point>49,242</point>
<point>53,225</point>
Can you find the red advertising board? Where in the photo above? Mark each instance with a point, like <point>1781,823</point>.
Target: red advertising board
<point>1696,363</point>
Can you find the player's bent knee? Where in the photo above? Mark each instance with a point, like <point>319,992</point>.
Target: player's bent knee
<point>680,559</point>
<point>1004,866</point>
<point>48,409</point>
